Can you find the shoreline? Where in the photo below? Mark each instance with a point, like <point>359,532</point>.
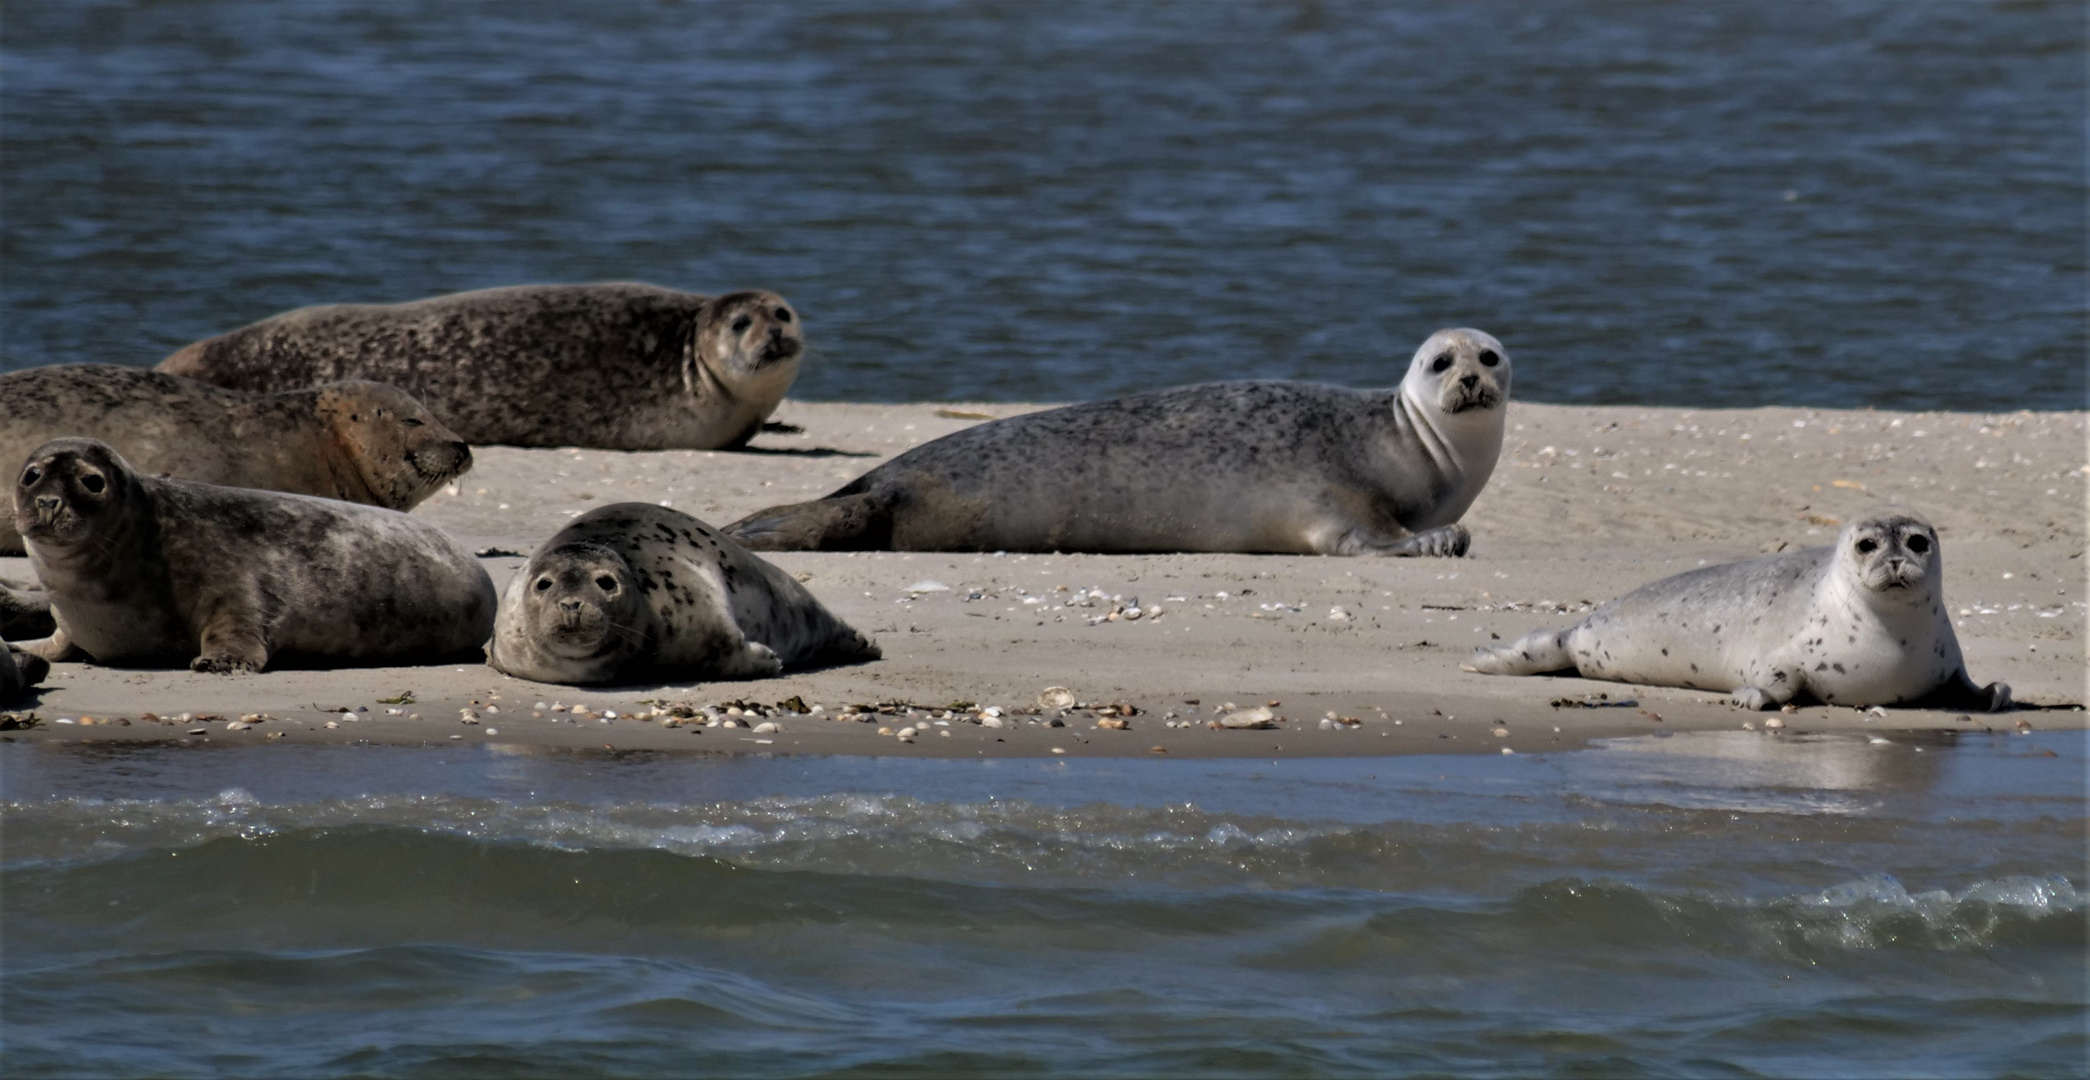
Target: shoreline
<point>1586,503</point>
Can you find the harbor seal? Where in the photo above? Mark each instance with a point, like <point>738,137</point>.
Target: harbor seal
<point>1861,622</point>
<point>357,441</point>
<point>629,591</point>
<point>618,366</point>
<point>1277,467</point>
<point>143,571</point>
<point>18,672</point>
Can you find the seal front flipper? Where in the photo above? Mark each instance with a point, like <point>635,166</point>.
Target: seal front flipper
<point>25,614</point>
<point>855,522</point>
<point>1962,692</point>
<point>1539,652</point>
<point>230,645</point>
<point>753,660</point>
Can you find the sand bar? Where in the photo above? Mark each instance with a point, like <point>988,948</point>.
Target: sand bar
<point>1587,503</point>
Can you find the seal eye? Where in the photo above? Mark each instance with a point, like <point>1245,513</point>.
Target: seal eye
<point>31,476</point>
<point>606,583</point>
<point>94,484</point>
<point>1441,363</point>
<point>741,323</point>
<point>1867,547</point>
<point>1919,543</point>
<point>544,584</point>
<point>783,314</point>
<point>1488,358</point>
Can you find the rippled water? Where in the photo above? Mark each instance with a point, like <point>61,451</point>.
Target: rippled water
<point>1698,204</point>
<point>1709,905</point>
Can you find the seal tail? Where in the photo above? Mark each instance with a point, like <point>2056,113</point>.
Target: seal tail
<point>1536,653</point>
<point>860,522</point>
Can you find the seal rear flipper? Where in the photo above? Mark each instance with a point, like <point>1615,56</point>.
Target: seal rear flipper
<point>1447,541</point>
<point>1539,652</point>
<point>862,522</point>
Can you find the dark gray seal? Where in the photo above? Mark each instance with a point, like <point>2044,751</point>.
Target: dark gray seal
<point>358,441</point>
<point>628,592</point>
<point>144,571</point>
<point>1280,467</point>
<point>1861,622</point>
<point>18,672</point>
<point>619,366</point>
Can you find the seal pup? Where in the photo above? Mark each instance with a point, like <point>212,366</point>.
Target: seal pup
<point>630,591</point>
<point>144,570</point>
<point>358,441</point>
<point>1861,622</point>
<point>617,366</point>
<point>1276,467</point>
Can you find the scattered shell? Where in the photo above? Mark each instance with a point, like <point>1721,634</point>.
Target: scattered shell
<point>206,731</point>
<point>1057,750</point>
<point>1507,750</point>
<point>991,721</point>
<point>904,733</point>
<point>1875,711</point>
<point>1055,697</point>
<point>453,736</point>
<point>1877,741</point>
<point>886,731</point>
<point>493,731</point>
<point>1501,732</point>
<point>238,725</point>
<point>946,733</point>
<point>768,728</point>
<point>1773,724</point>
<point>669,721</point>
<point>1113,724</point>
<point>2024,727</point>
<point>1338,614</point>
<point>928,586</point>
<point>1157,750</point>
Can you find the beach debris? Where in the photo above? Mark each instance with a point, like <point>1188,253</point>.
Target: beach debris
<point>1110,723</point>
<point>336,723</point>
<point>498,552</point>
<point>1595,701</point>
<point>18,721</point>
<point>927,586</point>
<point>1338,613</point>
<point>404,697</point>
<point>493,731</point>
<point>238,725</point>
<point>1248,719</point>
<point>1055,697</point>
<point>199,731</point>
<point>1507,750</point>
<point>768,727</point>
<point>1649,713</point>
<point>1773,724</point>
<point>1875,713</point>
<point>1058,750</point>
<point>960,414</point>
<point>2024,727</point>
<point>1501,732</point>
<point>1878,741</point>
<point>1157,749</point>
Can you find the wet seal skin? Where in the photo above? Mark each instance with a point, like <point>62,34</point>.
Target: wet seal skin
<point>1276,467</point>
<point>1862,622</point>
<point>617,366</point>
<point>145,571</point>
<point>630,592</point>
<point>358,441</point>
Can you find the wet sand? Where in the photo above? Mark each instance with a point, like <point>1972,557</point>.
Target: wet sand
<point>1586,504</point>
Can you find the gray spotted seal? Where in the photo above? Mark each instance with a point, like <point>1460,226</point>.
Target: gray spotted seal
<point>359,441</point>
<point>618,366</point>
<point>1862,622</point>
<point>630,591</point>
<point>143,570</point>
<point>1280,467</point>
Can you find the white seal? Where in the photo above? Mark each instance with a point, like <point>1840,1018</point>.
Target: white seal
<point>1862,622</point>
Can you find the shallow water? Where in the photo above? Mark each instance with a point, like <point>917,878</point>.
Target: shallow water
<point>1693,204</point>
<point>1712,905</point>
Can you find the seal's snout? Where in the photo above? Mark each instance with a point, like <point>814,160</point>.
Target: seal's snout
<point>1469,381</point>
<point>779,347</point>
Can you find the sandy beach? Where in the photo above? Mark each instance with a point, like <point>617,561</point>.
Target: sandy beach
<point>1587,503</point>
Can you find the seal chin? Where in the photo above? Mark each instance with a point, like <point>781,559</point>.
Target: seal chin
<point>1459,399</point>
<point>777,350</point>
<point>440,466</point>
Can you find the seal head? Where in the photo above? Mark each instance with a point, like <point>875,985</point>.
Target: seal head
<point>398,449</point>
<point>70,490</point>
<point>583,605</point>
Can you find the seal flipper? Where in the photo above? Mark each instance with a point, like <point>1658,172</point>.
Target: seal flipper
<point>1448,541</point>
<point>855,522</point>
<point>25,614</point>
<point>18,672</point>
<point>1962,692</point>
<point>1539,652</point>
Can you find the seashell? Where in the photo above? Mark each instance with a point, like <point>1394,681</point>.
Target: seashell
<point>1108,724</point>
<point>336,723</point>
<point>238,725</point>
<point>1773,724</point>
<point>991,721</point>
<point>493,731</point>
<point>1055,697</point>
<point>768,727</point>
<point>1057,750</point>
<point>905,732</point>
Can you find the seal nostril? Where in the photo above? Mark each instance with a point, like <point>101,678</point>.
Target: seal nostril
<point>1469,381</point>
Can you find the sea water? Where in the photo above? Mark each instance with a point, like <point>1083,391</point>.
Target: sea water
<point>1731,205</point>
<point>1718,904</point>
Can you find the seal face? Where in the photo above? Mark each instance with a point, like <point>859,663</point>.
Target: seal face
<point>630,591</point>
<point>356,441</point>
<point>1280,467</point>
<point>619,365</point>
<point>1861,622</point>
<point>140,570</point>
